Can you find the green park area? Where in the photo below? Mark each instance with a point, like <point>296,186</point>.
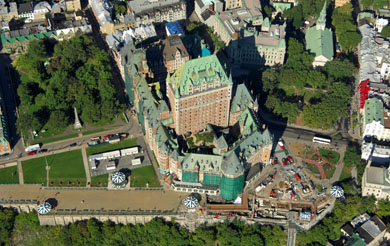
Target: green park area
<point>9,175</point>
<point>54,139</point>
<point>109,147</point>
<point>66,169</point>
<point>99,181</point>
<point>329,170</point>
<point>330,155</point>
<point>313,169</point>
<point>139,177</point>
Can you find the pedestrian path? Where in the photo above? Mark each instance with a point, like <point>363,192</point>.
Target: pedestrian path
<point>86,166</point>
<point>20,171</point>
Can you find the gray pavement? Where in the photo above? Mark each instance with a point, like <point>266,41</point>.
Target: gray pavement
<point>86,166</point>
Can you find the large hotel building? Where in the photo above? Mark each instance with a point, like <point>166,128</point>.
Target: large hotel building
<point>199,93</point>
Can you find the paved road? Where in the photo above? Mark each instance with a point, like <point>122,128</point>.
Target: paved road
<point>292,234</point>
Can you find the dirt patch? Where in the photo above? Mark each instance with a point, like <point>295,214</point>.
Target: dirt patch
<point>299,120</point>
<point>297,149</point>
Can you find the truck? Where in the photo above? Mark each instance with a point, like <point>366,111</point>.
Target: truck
<point>32,147</point>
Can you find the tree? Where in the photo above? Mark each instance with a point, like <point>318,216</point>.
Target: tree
<point>7,217</point>
<point>269,80</point>
<point>386,32</point>
<point>120,8</point>
<point>383,208</point>
<point>345,28</point>
<point>58,120</point>
<point>339,69</point>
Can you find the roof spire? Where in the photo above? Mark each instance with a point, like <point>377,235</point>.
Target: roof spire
<point>321,21</point>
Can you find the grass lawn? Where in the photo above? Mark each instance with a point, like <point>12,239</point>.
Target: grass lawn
<point>140,176</point>
<point>49,132</point>
<point>99,181</point>
<point>50,140</point>
<point>205,138</point>
<point>345,173</point>
<point>312,168</point>
<point>9,175</point>
<point>93,131</point>
<point>109,147</point>
<point>34,171</point>
<point>329,171</point>
<point>66,167</point>
<point>330,155</point>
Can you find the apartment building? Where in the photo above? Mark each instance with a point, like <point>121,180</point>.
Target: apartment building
<point>156,11</point>
<point>8,11</point>
<point>233,4</point>
<point>376,121</point>
<point>175,53</point>
<point>376,180</point>
<point>199,93</point>
<point>267,47</point>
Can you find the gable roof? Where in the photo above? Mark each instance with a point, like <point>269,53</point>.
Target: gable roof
<point>242,99</point>
<point>320,42</point>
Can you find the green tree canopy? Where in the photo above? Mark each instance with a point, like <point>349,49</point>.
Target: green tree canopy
<point>386,32</point>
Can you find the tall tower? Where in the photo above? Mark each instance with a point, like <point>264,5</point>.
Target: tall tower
<point>321,21</point>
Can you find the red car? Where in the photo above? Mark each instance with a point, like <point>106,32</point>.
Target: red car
<point>290,159</point>
<point>275,161</point>
<point>32,152</point>
<point>284,162</point>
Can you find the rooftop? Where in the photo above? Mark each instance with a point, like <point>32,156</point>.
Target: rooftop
<point>373,111</point>
<point>172,45</point>
<point>139,6</point>
<point>320,42</point>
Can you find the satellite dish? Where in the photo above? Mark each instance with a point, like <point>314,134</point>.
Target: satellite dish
<point>337,191</point>
<point>190,202</point>
<point>44,208</point>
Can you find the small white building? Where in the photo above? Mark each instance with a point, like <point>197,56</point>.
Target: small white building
<point>110,166</point>
<point>135,162</point>
<point>129,151</point>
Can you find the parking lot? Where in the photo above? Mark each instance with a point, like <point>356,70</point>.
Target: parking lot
<point>121,163</point>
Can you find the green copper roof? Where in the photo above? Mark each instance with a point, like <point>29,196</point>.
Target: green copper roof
<point>250,144</point>
<point>196,72</point>
<point>322,19</point>
<point>202,162</point>
<point>355,240</point>
<point>373,111</point>
<point>231,165</point>
<point>320,42</point>
<point>363,15</point>
<point>281,6</point>
<point>266,23</point>
<point>249,121</point>
<point>164,140</point>
<point>242,99</point>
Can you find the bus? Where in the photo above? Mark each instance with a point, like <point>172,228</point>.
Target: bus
<point>32,148</point>
<point>322,140</point>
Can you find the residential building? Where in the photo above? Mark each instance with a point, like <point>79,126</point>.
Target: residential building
<point>41,9</point>
<point>175,53</point>
<point>157,11</point>
<point>229,24</point>
<point>205,8</point>
<point>199,93</point>
<point>339,3</point>
<point>26,10</point>
<point>368,231</point>
<point>60,28</point>
<point>376,180</point>
<point>280,7</point>
<point>267,47</point>
<point>233,4</point>
<point>376,120</point>
<point>319,40</point>
<point>103,16</point>
<point>7,13</point>
<point>72,5</point>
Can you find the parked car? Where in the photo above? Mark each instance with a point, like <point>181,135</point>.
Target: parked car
<point>284,162</point>
<point>285,152</point>
<point>290,159</point>
<point>42,151</point>
<point>275,161</point>
<point>73,144</point>
<point>32,152</point>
